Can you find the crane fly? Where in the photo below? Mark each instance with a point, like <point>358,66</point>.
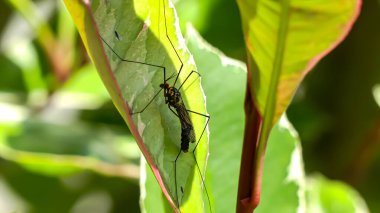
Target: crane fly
<point>174,102</point>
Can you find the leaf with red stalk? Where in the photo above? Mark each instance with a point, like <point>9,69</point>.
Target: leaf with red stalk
<point>284,39</point>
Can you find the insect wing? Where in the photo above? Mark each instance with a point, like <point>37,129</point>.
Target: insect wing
<point>186,122</point>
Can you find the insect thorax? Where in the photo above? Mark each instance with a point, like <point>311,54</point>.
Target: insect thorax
<point>173,97</point>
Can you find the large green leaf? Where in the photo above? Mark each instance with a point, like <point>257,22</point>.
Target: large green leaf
<point>284,40</point>
<point>225,100</point>
<point>145,32</point>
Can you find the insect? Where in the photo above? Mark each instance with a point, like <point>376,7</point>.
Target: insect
<point>175,103</point>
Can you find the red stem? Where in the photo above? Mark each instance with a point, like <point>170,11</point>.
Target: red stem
<point>249,179</point>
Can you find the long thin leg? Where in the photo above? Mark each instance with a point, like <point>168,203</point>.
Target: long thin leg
<point>136,62</point>
<point>203,181</point>
<point>143,63</point>
<point>175,176</point>
<point>199,75</point>
<point>171,43</point>
<point>171,109</point>
<point>151,100</point>
<point>208,119</point>
<point>146,106</point>
<point>199,170</point>
<point>195,159</point>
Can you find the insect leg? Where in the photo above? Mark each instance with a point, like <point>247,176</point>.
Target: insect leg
<point>146,106</point>
<point>171,43</point>
<point>143,63</point>
<point>175,176</point>
<point>136,62</point>
<point>208,119</point>
<point>151,100</point>
<point>171,109</point>
<point>199,75</point>
<point>196,162</point>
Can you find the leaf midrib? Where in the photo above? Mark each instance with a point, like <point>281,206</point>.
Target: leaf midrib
<point>270,105</point>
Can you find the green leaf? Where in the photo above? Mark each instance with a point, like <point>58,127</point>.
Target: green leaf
<point>225,100</point>
<point>151,197</point>
<point>195,12</point>
<point>285,39</point>
<point>328,196</point>
<point>283,187</point>
<point>139,31</point>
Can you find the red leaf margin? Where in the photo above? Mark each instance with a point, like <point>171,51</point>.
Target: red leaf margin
<point>250,178</point>
<point>96,51</point>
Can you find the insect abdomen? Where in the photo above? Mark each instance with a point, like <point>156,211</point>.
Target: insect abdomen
<point>187,136</point>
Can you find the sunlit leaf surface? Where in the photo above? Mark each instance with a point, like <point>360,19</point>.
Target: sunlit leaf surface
<point>145,32</point>
<point>285,39</point>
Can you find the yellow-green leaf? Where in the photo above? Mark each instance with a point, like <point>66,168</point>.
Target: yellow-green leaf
<point>285,39</point>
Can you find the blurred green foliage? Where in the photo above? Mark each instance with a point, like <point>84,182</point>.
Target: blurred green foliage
<point>63,146</point>
<point>51,105</point>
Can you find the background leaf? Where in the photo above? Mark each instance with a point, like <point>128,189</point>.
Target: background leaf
<point>332,197</point>
<point>210,20</point>
<point>283,176</point>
